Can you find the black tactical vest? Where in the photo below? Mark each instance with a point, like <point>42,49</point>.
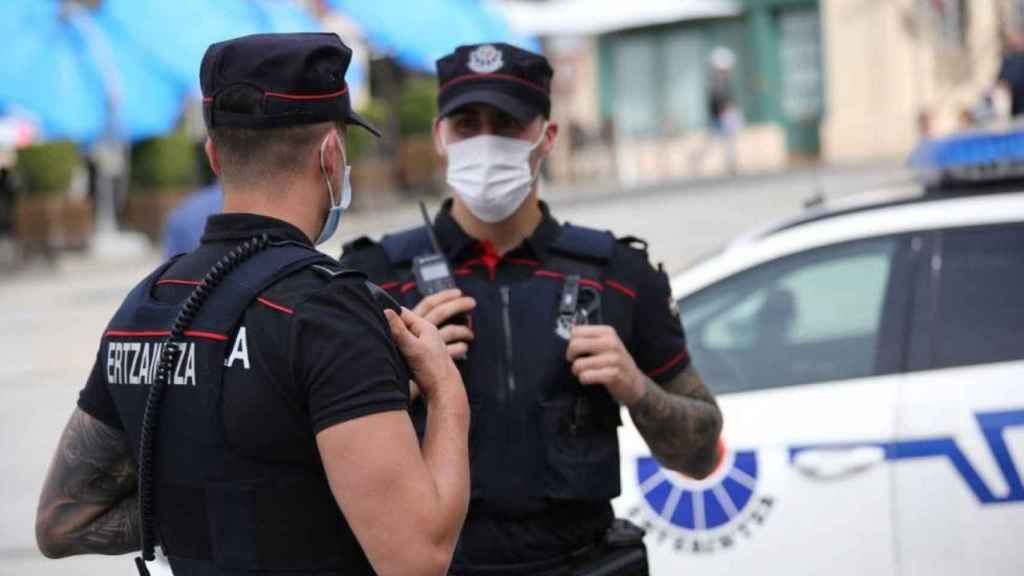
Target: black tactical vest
<point>219,512</point>
<point>537,433</point>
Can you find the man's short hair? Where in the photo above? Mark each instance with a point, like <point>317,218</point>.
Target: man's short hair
<point>250,155</point>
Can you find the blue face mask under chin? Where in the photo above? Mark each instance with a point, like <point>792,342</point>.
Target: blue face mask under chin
<point>333,218</point>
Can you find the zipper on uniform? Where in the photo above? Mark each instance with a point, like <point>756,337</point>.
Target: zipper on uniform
<point>506,301</point>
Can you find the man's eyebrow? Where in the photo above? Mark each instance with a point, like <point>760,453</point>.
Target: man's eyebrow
<point>506,118</point>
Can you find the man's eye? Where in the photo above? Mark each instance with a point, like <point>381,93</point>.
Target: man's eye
<point>464,126</point>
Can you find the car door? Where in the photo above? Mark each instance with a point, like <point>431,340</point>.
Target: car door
<point>960,428</point>
<point>803,354</point>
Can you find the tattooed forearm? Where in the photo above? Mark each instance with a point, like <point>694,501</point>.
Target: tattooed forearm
<point>89,502</point>
<point>680,423</point>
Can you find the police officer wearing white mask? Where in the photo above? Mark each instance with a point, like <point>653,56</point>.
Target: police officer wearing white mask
<point>555,327</point>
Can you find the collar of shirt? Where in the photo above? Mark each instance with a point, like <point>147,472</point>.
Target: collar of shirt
<point>458,245</point>
<point>240,226</point>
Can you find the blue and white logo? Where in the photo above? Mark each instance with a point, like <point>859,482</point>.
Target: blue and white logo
<point>703,516</point>
<point>993,427</point>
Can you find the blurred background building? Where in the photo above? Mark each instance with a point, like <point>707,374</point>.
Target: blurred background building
<point>835,81</point>
<point>101,125</point>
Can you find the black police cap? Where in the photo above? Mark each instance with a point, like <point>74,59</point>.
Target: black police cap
<point>511,79</point>
<point>277,80</point>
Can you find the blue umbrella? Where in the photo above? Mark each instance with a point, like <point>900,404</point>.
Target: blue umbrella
<point>80,82</point>
<point>418,32</point>
<point>175,34</point>
<point>286,16</point>
<point>283,16</point>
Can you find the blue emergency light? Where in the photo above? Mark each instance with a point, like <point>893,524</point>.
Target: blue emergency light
<point>979,156</point>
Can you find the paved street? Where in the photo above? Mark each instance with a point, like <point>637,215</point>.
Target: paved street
<point>53,317</point>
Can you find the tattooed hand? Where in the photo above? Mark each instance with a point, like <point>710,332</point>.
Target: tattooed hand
<point>681,423</point>
<point>89,503</point>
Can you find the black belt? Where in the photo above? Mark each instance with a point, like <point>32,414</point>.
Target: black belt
<point>620,553</point>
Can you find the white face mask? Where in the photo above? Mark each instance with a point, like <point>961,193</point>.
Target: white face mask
<point>491,174</point>
<point>333,217</point>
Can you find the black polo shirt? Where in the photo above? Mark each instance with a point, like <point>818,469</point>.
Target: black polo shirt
<point>320,351</point>
<point>658,345</point>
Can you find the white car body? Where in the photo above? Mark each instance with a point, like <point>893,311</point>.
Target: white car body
<point>911,472</point>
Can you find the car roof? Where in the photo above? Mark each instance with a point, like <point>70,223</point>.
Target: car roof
<point>902,211</point>
<point>965,179</point>
<point>819,208</point>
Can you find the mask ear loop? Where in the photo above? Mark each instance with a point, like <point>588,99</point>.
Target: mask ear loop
<point>444,141</point>
<point>346,188</point>
<point>543,133</point>
<point>346,185</point>
<point>323,171</point>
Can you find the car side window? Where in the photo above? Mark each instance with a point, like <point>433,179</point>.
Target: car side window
<point>979,312</point>
<point>811,317</point>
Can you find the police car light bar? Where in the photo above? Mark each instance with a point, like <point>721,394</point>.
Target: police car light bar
<point>975,157</point>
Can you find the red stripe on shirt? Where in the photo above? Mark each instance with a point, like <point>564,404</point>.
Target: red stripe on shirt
<point>668,365</point>
<point>621,288</point>
<point>583,281</point>
<point>181,282</point>
<point>274,305</point>
<point>549,274</point>
<point>407,287</point>
<point>161,333</point>
<point>389,285</point>
<point>201,334</point>
<point>523,261</point>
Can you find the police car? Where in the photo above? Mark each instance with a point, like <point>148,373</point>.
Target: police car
<point>868,357</point>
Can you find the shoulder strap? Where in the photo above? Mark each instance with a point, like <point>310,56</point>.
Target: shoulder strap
<point>582,251</point>
<point>239,288</point>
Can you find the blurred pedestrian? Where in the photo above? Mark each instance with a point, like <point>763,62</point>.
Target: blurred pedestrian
<point>184,227</point>
<point>725,116</point>
<point>1011,71</point>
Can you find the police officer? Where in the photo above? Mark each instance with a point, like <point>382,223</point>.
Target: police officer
<point>258,382</point>
<point>554,327</point>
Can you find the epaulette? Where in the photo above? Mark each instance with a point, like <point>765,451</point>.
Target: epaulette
<point>634,243</point>
<point>331,270</point>
<point>361,243</point>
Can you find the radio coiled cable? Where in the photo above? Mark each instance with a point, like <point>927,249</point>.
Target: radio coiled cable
<point>168,358</point>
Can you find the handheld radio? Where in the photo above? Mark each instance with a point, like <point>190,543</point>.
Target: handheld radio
<point>431,271</point>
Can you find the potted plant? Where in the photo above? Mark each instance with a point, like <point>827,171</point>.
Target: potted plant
<point>419,168</point>
<point>45,172</point>
<point>373,175</point>
<point>163,171</point>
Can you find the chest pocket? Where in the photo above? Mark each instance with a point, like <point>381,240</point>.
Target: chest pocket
<point>579,423</point>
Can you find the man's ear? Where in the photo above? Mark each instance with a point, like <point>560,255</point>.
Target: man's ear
<point>212,156</point>
<point>332,153</point>
<point>550,135</point>
<point>438,133</point>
